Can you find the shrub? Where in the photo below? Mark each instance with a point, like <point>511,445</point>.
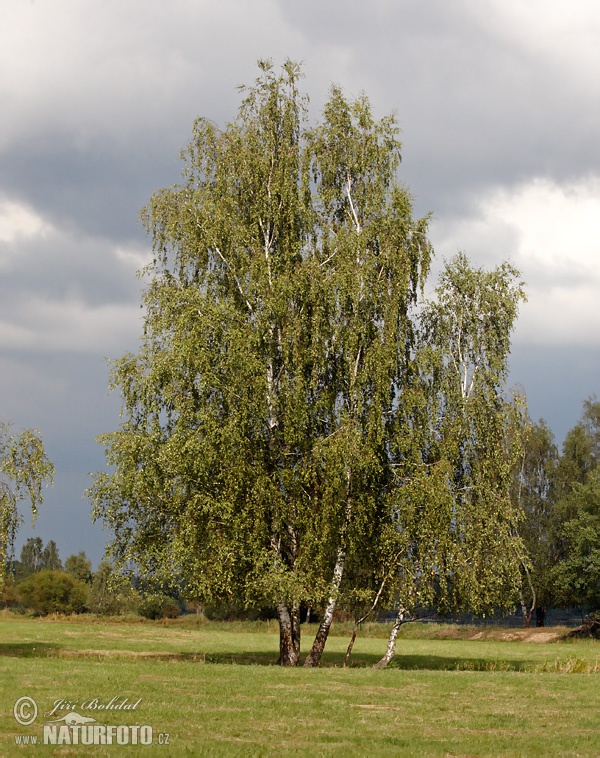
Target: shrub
<point>53,592</point>
<point>159,607</point>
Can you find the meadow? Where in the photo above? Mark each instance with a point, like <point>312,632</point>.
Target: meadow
<point>214,690</point>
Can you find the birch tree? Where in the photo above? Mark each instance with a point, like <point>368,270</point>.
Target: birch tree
<point>24,472</point>
<point>455,522</point>
<point>254,454</point>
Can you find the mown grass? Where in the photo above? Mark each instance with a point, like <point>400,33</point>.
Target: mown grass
<point>212,688</point>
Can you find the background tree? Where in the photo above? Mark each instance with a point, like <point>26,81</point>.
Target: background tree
<point>79,567</point>
<point>576,525</point>
<point>24,471</point>
<point>577,574</point>
<point>30,558</point>
<point>37,557</point>
<point>276,341</point>
<point>50,557</point>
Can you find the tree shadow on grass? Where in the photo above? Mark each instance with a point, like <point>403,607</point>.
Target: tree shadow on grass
<point>428,662</point>
<point>330,660</point>
<point>404,662</point>
<point>28,650</point>
<point>450,663</point>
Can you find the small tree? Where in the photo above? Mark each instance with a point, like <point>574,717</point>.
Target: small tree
<point>24,471</point>
<point>534,492</point>
<point>453,540</point>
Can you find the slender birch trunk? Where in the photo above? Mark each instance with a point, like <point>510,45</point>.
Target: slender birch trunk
<point>391,647</point>
<point>314,657</point>
<point>527,614</point>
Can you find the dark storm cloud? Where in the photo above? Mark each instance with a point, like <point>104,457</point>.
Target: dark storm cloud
<point>477,104</point>
<point>98,190</point>
<point>58,266</point>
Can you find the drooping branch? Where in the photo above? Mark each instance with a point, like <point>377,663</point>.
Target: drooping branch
<point>362,619</point>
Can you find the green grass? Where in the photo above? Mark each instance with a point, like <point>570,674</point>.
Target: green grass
<point>210,686</point>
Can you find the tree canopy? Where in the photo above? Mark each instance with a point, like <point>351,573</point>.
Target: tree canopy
<point>272,432</point>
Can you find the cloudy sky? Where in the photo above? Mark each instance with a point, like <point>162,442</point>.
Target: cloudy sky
<point>500,114</point>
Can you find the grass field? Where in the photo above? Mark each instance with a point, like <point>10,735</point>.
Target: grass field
<point>213,689</point>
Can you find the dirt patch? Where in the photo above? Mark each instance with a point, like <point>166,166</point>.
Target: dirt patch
<point>544,637</point>
<point>519,635</point>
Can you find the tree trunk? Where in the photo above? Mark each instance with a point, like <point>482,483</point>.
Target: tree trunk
<point>350,646</point>
<point>524,610</point>
<point>391,648</point>
<point>314,657</point>
<point>289,634</point>
<point>540,616</point>
<point>527,615</point>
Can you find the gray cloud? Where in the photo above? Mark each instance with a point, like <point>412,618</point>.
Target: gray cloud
<point>98,100</point>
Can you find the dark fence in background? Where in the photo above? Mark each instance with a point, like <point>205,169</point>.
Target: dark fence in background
<point>554,617</point>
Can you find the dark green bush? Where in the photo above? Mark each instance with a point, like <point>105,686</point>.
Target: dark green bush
<point>52,592</point>
<point>159,607</point>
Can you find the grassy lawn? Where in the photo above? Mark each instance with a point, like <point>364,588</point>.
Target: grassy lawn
<point>209,686</point>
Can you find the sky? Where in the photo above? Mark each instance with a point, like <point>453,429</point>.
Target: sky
<point>498,105</point>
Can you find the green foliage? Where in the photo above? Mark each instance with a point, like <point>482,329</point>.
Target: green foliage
<point>159,607</point>
<point>79,567</point>
<point>50,558</point>
<point>49,591</point>
<point>534,492</point>
<point>577,574</point>
<point>8,596</point>
<point>24,471</point>
<point>35,557</point>
<point>259,406</point>
<point>289,431</point>
<point>575,526</point>
<point>111,593</point>
<point>455,532</point>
